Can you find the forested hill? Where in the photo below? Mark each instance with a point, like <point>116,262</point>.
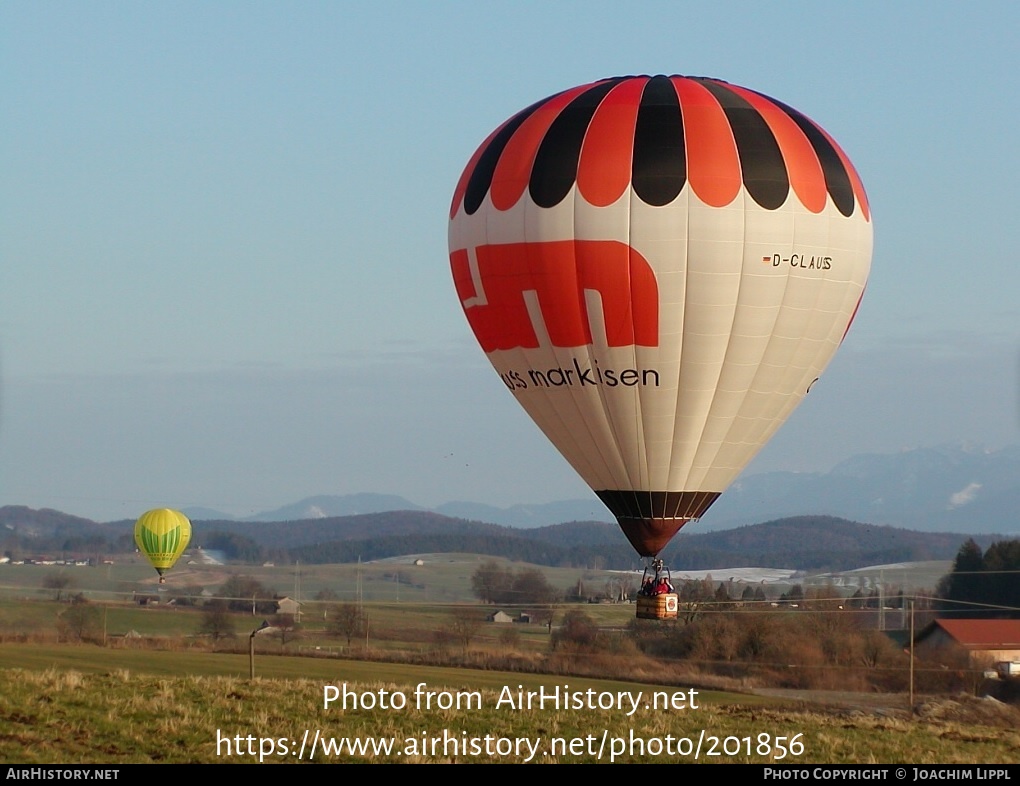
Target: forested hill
<point>799,543</point>
<point>381,535</point>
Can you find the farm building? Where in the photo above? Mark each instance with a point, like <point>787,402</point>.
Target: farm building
<point>985,641</point>
<point>288,606</point>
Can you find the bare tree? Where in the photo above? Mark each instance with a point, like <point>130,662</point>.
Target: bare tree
<point>80,621</point>
<point>58,583</point>
<point>491,582</point>
<point>285,628</point>
<point>494,583</point>
<point>465,625</point>
<point>530,586</point>
<point>619,589</point>
<point>216,622</point>
<point>347,621</point>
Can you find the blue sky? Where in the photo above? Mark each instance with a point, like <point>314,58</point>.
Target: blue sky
<point>223,236</point>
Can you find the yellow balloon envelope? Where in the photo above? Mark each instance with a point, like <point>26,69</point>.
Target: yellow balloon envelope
<point>162,535</point>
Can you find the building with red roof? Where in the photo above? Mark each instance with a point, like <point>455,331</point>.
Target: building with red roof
<point>985,641</point>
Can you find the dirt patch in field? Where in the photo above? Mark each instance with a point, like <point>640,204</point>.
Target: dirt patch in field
<point>961,709</point>
<point>985,711</point>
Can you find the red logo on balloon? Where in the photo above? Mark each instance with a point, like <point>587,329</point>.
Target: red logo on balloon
<point>513,293</point>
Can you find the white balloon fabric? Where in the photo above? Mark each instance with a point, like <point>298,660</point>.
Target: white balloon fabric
<point>659,268</point>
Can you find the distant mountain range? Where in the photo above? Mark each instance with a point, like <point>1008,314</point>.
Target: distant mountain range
<point>942,489</point>
<point>806,543</point>
<point>917,505</point>
<point>320,507</point>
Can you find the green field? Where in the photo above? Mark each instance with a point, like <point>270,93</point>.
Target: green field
<point>443,578</point>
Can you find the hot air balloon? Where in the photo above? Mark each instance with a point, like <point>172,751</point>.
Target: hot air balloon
<point>162,535</point>
<point>659,268</point>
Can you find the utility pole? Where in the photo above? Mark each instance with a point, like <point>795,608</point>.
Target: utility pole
<point>881,600</point>
<point>911,655</point>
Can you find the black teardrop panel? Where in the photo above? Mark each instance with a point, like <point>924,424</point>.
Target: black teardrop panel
<point>761,161</point>
<point>837,181</point>
<point>555,168</point>
<point>481,178</point>
<point>660,161</point>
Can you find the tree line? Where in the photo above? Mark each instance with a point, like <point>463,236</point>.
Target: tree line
<point>502,585</point>
<point>983,584</point>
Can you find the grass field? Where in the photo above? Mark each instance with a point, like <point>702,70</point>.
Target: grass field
<point>443,578</point>
<point>86,704</point>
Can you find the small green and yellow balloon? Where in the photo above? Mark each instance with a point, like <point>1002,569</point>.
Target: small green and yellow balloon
<point>162,535</point>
